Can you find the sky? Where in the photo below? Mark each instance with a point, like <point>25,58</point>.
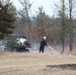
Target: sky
<point>48,6</point>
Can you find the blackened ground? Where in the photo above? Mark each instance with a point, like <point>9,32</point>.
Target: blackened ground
<point>64,66</point>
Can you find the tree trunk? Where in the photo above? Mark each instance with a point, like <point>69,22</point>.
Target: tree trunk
<point>63,44</point>
<point>71,42</point>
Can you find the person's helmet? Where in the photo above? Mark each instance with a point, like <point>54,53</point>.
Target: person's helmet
<point>44,37</point>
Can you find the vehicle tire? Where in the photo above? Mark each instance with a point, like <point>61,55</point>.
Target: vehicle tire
<point>14,49</point>
<point>27,50</point>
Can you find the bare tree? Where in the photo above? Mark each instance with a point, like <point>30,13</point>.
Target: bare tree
<point>25,13</point>
<point>62,14</point>
<point>62,24</point>
<point>71,10</point>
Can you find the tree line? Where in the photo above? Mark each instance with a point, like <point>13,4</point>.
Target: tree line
<point>61,26</point>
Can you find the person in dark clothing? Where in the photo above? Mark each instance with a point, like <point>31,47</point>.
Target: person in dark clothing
<point>42,45</point>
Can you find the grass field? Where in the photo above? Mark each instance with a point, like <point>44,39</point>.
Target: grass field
<point>34,63</point>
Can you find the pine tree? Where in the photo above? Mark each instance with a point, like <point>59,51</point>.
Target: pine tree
<point>7,19</point>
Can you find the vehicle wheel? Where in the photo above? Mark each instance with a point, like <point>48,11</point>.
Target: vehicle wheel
<point>27,50</point>
<point>14,49</point>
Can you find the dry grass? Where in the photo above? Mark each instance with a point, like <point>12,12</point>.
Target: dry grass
<point>35,63</point>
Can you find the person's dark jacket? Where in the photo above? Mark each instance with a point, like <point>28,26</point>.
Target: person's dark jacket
<point>43,43</point>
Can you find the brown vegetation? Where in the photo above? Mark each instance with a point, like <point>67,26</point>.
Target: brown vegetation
<point>35,63</point>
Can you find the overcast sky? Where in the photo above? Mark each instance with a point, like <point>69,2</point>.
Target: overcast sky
<point>48,5</point>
